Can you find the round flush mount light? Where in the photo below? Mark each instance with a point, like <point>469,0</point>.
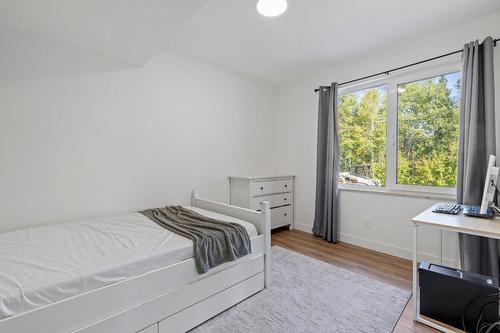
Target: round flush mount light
<point>271,8</point>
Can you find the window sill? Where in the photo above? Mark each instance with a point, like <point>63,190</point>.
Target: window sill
<point>400,193</point>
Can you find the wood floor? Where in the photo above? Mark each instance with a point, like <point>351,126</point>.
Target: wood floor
<point>380,266</point>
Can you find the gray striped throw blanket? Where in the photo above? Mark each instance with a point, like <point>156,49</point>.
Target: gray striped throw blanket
<point>214,242</point>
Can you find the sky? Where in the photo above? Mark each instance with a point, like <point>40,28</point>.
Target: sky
<point>452,80</point>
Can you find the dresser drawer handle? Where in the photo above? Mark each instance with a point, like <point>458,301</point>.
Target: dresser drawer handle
<point>285,214</point>
<point>286,185</point>
<point>261,188</point>
<point>284,199</point>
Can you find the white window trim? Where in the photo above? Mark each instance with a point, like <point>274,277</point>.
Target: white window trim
<point>404,193</point>
<point>392,81</point>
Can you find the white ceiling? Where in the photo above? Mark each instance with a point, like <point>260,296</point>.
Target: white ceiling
<point>231,34</point>
<point>311,33</point>
<point>129,30</point>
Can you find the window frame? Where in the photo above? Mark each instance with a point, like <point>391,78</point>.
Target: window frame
<point>392,81</point>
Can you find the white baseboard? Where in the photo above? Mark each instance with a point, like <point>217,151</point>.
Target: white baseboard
<point>303,227</point>
<point>394,250</point>
<point>387,248</point>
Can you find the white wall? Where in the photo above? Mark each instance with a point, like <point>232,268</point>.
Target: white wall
<point>90,142</point>
<point>295,119</point>
<point>81,136</point>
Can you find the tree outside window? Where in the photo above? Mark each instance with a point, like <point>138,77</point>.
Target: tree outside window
<point>425,136</point>
<point>428,131</point>
<point>362,133</point>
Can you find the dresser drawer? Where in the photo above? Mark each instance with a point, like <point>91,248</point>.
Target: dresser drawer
<point>281,216</point>
<point>271,187</point>
<point>274,200</point>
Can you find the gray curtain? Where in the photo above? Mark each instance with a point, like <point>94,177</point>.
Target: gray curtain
<point>327,168</point>
<point>476,141</point>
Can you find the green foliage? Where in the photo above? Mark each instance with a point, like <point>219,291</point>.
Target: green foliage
<point>362,127</point>
<point>427,133</point>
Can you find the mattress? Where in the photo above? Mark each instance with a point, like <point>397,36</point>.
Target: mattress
<point>39,266</point>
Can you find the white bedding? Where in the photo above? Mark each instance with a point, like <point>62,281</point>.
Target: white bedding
<point>42,265</point>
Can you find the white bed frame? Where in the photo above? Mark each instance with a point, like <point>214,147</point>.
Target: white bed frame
<point>171,299</point>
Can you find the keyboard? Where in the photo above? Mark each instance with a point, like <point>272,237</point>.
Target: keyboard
<point>448,208</point>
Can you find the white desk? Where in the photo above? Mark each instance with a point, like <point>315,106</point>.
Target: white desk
<point>457,223</point>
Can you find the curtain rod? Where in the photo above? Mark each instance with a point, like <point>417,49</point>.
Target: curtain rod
<point>403,67</point>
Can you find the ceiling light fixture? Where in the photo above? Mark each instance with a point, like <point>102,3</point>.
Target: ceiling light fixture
<point>271,8</point>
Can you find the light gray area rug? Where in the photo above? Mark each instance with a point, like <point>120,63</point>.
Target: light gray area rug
<point>308,295</point>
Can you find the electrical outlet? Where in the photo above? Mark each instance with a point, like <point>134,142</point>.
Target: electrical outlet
<point>367,223</point>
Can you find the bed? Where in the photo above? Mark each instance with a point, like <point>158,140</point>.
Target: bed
<point>124,274</point>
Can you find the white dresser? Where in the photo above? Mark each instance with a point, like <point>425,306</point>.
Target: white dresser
<point>249,192</point>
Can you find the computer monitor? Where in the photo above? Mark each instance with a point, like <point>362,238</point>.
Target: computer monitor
<point>489,185</point>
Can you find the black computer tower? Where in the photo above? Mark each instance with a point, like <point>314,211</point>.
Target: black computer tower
<point>457,297</point>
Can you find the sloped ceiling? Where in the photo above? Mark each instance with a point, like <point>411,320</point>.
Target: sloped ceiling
<point>127,30</point>
<point>227,33</point>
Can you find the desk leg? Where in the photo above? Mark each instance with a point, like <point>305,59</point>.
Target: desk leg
<point>441,246</point>
<point>415,282</point>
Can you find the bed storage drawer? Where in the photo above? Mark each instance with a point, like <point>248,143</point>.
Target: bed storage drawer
<point>198,313</point>
<point>151,329</point>
<point>275,200</point>
<point>272,187</point>
<point>281,216</point>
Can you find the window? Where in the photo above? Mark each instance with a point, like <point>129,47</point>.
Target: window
<point>401,132</point>
<point>362,133</point>
<point>428,131</point>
